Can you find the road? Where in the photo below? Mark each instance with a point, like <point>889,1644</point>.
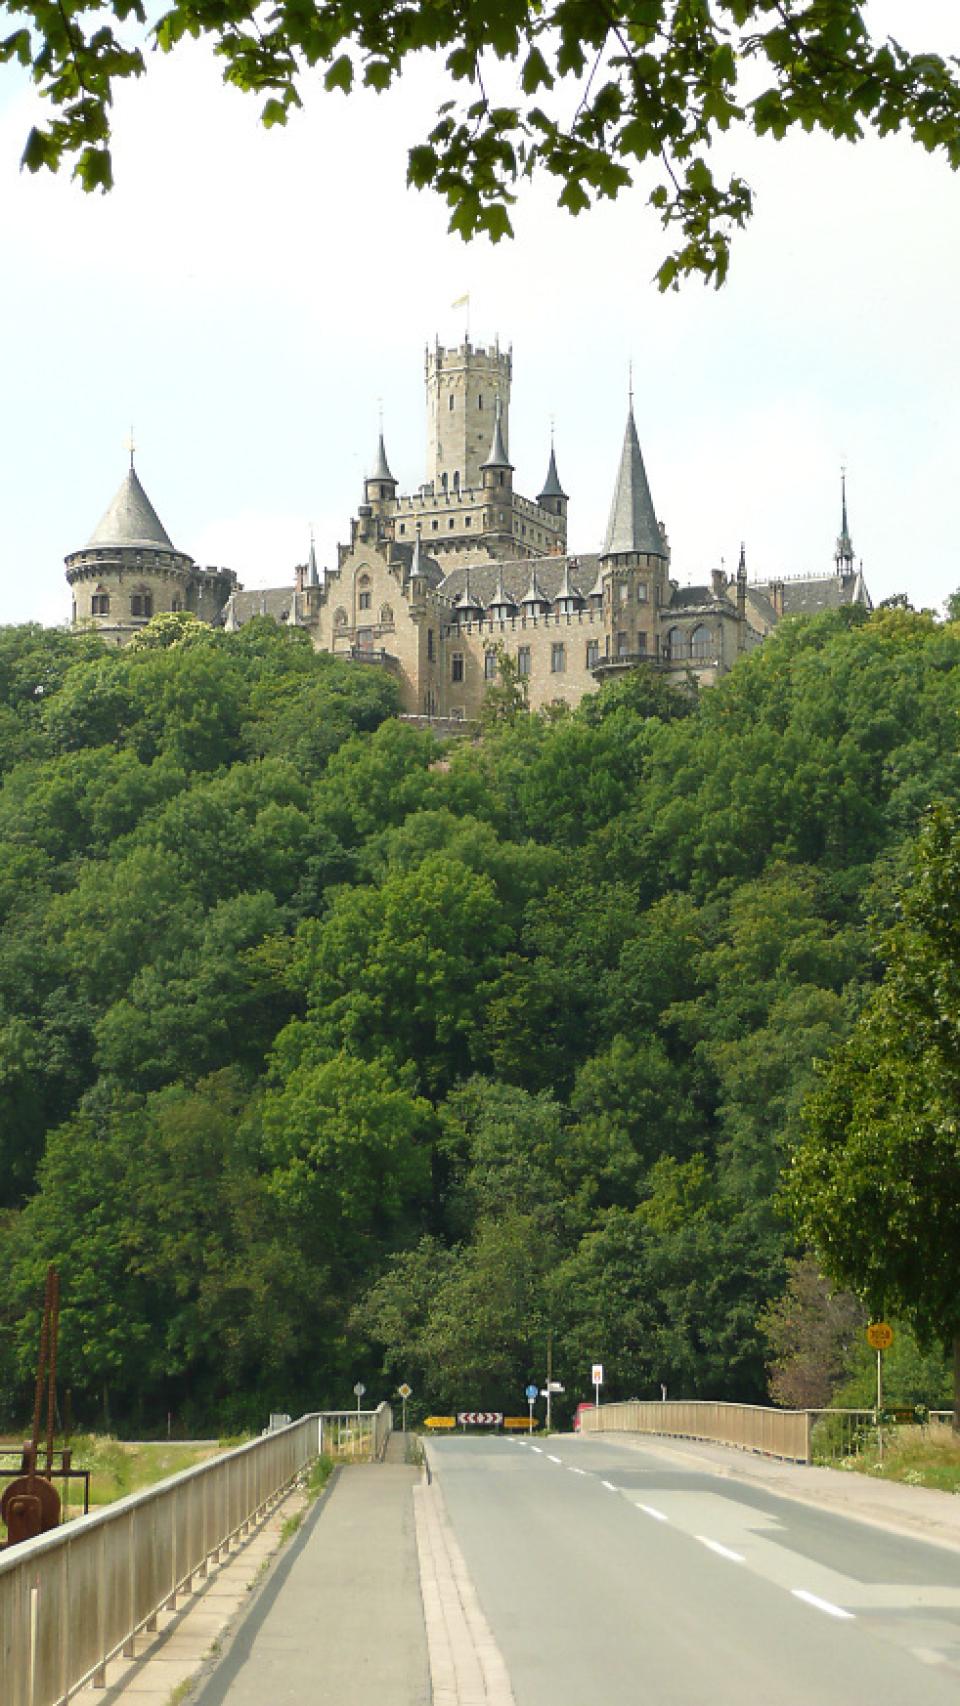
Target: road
<point>612,1576</point>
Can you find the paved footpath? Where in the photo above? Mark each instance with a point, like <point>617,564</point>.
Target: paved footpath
<point>340,1617</point>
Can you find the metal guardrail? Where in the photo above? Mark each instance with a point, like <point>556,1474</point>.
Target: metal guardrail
<point>356,1433</point>
<point>751,1427</point>
<point>77,1597</point>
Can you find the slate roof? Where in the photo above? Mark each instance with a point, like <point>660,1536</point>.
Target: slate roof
<point>551,485</point>
<point>807,597</point>
<point>692,597</point>
<point>498,457</point>
<point>381,468</point>
<point>131,519</point>
<point>517,576</point>
<point>633,525</point>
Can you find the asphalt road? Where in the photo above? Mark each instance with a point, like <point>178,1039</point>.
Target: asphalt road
<point>612,1576</point>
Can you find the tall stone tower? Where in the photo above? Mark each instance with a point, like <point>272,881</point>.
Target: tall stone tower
<point>463,386</point>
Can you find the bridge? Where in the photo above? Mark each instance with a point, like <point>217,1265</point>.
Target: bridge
<point>615,1565</point>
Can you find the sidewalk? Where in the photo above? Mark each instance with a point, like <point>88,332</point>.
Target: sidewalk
<point>920,1512</point>
<point>340,1616</point>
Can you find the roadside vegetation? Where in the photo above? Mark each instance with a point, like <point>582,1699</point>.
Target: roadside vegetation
<point>329,1055</point>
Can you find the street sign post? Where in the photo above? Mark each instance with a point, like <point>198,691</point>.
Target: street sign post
<point>531,1400</point>
<point>596,1377</point>
<point>359,1389</point>
<point>880,1338</point>
<point>405,1392</point>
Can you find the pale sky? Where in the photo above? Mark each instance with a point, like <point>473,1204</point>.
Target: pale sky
<point>247,299</point>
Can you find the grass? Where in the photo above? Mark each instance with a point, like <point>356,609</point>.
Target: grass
<point>919,1457</point>
<point>317,1479</point>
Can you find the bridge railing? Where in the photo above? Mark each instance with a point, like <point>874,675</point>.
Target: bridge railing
<point>73,1599</point>
<point>356,1433</point>
<point>751,1427</point>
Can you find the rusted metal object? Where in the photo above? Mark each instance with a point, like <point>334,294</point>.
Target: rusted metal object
<point>30,1504</point>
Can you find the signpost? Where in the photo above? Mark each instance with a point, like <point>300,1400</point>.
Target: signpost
<point>596,1378</point>
<point>359,1389</point>
<point>480,1418</point>
<point>880,1338</point>
<point>405,1392</point>
<point>531,1400</point>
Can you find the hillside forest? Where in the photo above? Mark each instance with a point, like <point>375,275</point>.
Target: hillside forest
<point>330,1052</point>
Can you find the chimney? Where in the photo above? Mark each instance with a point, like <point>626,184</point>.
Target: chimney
<point>776,598</point>
<point>719,580</point>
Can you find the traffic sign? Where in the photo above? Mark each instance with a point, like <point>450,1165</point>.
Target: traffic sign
<point>879,1336</point>
<point>531,1392</point>
<point>555,1386</point>
<point>480,1418</point>
<point>405,1391</point>
<point>596,1378</point>
<point>359,1389</point>
<point>517,1422</point>
<point>440,1422</point>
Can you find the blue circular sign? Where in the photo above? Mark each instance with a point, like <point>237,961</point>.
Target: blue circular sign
<point>532,1392</point>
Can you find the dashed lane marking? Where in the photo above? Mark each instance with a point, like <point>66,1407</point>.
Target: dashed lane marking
<point>658,1516</point>
<point>722,1551</point>
<point>554,1459</point>
<point>609,1486</point>
<point>821,1604</point>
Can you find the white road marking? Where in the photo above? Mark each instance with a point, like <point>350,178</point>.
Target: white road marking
<point>574,1470</point>
<point>658,1516</point>
<point>609,1486</point>
<point>723,1551</point>
<point>821,1604</point>
<point>537,1449</point>
<point>554,1459</point>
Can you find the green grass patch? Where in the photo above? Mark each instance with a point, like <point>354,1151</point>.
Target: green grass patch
<point>919,1457</point>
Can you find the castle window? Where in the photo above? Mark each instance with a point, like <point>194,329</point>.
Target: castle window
<point>452,522</point>
<point>641,642</point>
<point>701,642</point>
<point>558,658</point>
<point>365,601</point>
<point>623,592</point>
<point>456,667</point>
<point>523,660</point>
<point>403,527</point>
<point>480,401</point>
<point>623,645</point>
<point>100,602</point>
<point>443,481</point>
<point>141,602</point>
<point>642,593</point>
<point>340,619</point>
<point>386,616</point>
<point>468,521</point>
<point>434,525</point>
<point>489,666</point>
<point>675,643</point>
<point>429,645</point>
<point>450,402</point>
<point>456,479</point>
<point>593,653</point>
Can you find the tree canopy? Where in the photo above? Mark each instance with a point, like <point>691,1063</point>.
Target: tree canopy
<point>595,96</point>
<point>327,1052</point>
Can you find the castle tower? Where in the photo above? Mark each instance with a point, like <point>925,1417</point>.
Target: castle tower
<point>380,487</point>
<point>553,498</point>
<point>634,559</point>
<point>463,388</point>
<point>129,570</point>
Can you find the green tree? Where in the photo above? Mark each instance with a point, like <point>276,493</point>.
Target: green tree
<point>656,84</point>
<point>874,1184</point>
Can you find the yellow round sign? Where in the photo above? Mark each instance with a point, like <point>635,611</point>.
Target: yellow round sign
<point>880,1336</point>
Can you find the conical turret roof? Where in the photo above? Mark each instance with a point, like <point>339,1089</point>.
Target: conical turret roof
<point>534,596</point>
<point>468,600</point>
<point>551,485</point>
<point>844,552</point>
<point>381,468</point>
<point>498,457</point>
<point>313,573</point>
<point>131,519</point>
<point>633,524</point>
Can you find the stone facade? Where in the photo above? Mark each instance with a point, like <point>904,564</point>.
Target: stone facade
<point>435,586</point>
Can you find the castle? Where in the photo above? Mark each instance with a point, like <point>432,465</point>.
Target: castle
<point>438,585</point>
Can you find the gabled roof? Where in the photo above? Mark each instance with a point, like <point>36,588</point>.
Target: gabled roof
<point>131,519</point>
<point>633,524</point>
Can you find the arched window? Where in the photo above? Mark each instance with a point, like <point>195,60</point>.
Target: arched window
<point>365,595</point>
<point>100,602</point>
<point>456,479</point>
<point>676,643</point>
<point>339,618</point>
<point>702,643</point>
<point>443,481</point>
<point>386,616</point>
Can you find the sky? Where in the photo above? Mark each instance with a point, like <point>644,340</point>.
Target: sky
<point>250,300</point>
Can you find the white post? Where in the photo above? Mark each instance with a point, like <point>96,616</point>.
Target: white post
<point>530,1402</point>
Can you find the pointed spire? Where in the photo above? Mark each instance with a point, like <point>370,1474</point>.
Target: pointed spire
<point>468,605</point>
<point>381,468</point>
<point>498,457</point>
<point>844,551</point>
<point>633,525</point>
<point>502,601</point>
<point>551,485</point>
<point>742,565</point>
<point>131,518</point>
<point>534,599</point>
<point>313,575</point>
<point>569,598</point>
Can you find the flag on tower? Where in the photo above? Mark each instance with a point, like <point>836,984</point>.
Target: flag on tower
<point>461,302</point>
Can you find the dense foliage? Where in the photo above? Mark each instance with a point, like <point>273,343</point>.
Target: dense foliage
<point>326,1053</point>
<point>593,95</point>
